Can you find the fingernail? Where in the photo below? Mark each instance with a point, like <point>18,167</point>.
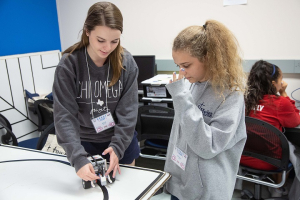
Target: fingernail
<point>182,69</point>
<point>103,153</point>
<point>174,72</point>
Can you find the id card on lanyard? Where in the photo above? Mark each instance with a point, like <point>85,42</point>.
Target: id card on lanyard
<point>103,122</point>
<point>179,158</point>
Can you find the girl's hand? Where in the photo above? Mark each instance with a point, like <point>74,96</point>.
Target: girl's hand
<point>282,91</point>
<point>180,76</point>
<point>113,163</point>
<point>87,173</point>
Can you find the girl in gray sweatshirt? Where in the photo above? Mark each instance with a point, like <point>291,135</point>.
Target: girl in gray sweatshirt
<point>208,133</point>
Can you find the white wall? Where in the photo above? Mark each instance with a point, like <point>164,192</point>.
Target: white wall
<point>268,29</point>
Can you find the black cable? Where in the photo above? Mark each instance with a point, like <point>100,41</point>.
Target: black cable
<point>60,161</point>
<point>104,190</point>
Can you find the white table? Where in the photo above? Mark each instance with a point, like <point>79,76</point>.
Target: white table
<point>30,174</point>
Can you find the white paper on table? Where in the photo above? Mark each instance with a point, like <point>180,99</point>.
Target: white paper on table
<point>234,2</point>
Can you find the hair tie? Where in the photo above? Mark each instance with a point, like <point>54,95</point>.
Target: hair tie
<point>273,71</point>
<point>204,26</point>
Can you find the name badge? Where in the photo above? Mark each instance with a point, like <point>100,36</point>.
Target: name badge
<point>179,158</point>
<point>103,122</point>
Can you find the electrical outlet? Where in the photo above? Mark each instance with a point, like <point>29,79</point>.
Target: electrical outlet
<point>297,66</point>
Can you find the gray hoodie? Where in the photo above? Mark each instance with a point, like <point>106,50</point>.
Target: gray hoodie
<point>72,92</point>
<point>212,132</point>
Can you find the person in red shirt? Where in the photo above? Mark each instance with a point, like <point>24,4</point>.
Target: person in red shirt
<point>262,101</point>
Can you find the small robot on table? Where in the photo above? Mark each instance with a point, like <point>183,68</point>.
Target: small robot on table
<point>100,167</point>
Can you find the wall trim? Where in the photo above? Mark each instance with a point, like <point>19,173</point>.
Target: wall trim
<point>287,66</point>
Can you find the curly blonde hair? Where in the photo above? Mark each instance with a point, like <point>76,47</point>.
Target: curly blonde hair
<point>215,46</point>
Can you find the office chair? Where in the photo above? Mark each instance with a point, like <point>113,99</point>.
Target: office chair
<point>8,135</point>
<point>42,140</point>
<point>10,138</point>
<point>44,110</point>
<point>256,147</point>
<point>154,125</point>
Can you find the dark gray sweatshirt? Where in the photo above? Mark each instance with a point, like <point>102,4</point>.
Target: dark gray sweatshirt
<point>73,93</point>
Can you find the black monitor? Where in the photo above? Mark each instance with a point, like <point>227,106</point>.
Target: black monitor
<point>147,68</point>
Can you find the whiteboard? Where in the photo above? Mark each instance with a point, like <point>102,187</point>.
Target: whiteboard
<point>30,174</point>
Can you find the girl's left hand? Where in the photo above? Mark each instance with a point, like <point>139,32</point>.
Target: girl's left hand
<point>282,91</point>
<point>180,76</point>
<point>283,86</point>
<point>113,162</point>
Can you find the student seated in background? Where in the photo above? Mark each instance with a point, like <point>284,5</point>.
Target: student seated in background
<point>262,101</point>
<point>209,133</point>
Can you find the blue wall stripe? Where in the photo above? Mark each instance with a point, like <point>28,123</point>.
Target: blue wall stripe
<point>28,26</point>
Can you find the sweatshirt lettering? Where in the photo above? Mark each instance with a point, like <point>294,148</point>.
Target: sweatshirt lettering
<point>99,89</point>
<point>259,107</point>
<point>206,113</point>
<point>84,89</point>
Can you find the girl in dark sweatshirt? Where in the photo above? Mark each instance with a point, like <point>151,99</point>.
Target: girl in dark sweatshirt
<point>96,95</point>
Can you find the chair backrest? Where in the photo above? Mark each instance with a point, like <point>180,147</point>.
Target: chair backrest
<point>43,138</point>
<point>44,109</point>
<point>266,142</point>
<point>154,122</point>
<point>8,135</point>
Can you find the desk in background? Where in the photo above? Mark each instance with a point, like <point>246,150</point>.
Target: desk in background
<point>293,135</point>
<point>30,174</point>
<point>155,92</point>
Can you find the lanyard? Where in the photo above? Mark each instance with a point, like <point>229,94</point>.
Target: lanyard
<point>87,65</point>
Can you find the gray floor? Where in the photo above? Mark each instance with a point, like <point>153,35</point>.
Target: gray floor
<point>159,164</point>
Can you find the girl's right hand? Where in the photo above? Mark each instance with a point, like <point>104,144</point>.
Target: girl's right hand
<point>87,173</point>
<point>180,76</point>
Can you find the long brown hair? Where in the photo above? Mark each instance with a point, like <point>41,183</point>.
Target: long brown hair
<point>260,83</point>
<point>215,46</point>
<point>103,14</point>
